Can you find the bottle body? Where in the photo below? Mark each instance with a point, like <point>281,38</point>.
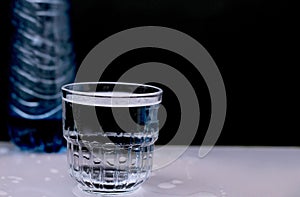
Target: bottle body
<point>42,61</point>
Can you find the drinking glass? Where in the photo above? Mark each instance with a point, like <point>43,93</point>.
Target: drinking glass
<point>110,128</point>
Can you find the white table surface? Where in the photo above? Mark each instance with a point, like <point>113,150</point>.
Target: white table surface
<point>224,172</point>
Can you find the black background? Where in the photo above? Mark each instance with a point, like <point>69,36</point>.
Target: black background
<point>254,43</point>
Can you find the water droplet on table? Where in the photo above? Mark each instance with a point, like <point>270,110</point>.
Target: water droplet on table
<point>177,182</point>
<point>15,178</point>
<point>223,193</point>
<point>47,178</point>
<point>166,185</point>
<point>3,193</point>
<point>203,194</point>
<point>54,171</point>
<point>3,151</point>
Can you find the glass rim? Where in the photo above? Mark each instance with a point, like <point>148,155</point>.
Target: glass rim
<point>158,91</point>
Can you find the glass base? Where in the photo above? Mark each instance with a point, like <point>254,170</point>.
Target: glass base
<point>109,168</point>
<point>82,191</point>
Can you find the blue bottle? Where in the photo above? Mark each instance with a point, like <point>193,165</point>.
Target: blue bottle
<point>42,61</point>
